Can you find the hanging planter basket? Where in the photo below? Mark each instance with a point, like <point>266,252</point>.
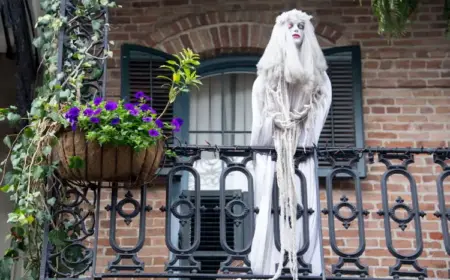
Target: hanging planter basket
<point>106,163</point>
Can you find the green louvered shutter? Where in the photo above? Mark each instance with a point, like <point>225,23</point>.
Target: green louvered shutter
<point>140,67</point>
<point>344,124</point>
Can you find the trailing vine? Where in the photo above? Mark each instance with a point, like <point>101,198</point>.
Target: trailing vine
<point>29,162</point>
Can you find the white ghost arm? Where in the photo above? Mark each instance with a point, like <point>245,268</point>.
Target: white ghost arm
<point>318,119</point>
<point>257,118</point>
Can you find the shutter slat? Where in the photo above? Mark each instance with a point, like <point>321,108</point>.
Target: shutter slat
<point>339,128</point>
<point>143,69</point>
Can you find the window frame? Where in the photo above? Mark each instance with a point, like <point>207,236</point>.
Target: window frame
<point>247,64</point>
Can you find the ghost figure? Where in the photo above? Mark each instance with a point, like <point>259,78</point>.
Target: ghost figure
<point>291,98</point>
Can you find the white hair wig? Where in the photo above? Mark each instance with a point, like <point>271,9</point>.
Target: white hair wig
<point>281,51</point>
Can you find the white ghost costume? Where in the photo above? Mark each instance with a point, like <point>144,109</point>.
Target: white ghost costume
<point>291,98</point>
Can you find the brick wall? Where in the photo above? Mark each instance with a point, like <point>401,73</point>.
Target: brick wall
<point>406,96</point>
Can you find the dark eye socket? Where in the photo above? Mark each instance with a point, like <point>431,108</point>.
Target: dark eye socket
<point>301,26</point>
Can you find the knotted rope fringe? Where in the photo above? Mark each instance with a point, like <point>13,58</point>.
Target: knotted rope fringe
<point>285,135</point>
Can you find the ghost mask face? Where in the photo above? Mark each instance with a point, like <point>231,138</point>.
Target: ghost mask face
<point>296,31</point>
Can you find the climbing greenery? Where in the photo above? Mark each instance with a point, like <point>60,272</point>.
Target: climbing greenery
<point>30,168</point>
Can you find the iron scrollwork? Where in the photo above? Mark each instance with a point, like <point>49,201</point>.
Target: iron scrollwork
<point>228,210</point>
<point>74,221</point>
<point>343,163</point>
<point>413,213</point>
<point>139,208</point>
<point>183,255</point>
<point>444,212</point>
<point>89,34</point>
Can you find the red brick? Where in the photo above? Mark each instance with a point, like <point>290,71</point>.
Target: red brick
<point>381,83</point>
<point>400,127</point>
<point>393,110</point>
<point>175,2</point>
<point>378,110</point>
<point>434,64</point>
<point>224,36</point>
<point>412,83</point>
<point>439,83</point>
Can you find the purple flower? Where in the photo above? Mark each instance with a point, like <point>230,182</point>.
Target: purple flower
<point>72,114</point>
<point>74,126</point>
<point>159,123</point>
<point>145,107</point>
<point>115,121</point>
<point>140,95</point>
<point>97,101</point>
<point>134,112</point>
<point>152,110</point>
<point>153,132</point>
<point>177,123</point>
<point>147,119</point>
<point>129,106</point>
<point>111,106</point>
<point>97,111</point>
<point>148,98</point>
<point>94,120</point>
<point>88,112</point>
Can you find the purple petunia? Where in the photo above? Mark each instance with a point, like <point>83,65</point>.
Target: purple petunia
<point>73,113</point>
<point>94,120</point>
<point>152,110</point>
<point>147,119</point>
<point>97,101</point>
<point>148,98</point>
<point>88,112</point>
<point>72,117</point>
<point>139,95</point>
<point>134,112</point>
<point>129,106</point>
<point>153,133</point>
<point>159,123</point>
<point>97,111</point>
<point>111,106</point>
<point>145,107</point>
<point>177,123</point>
<point>115,121</point>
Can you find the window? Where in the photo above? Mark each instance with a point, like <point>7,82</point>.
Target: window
<point>219,113</point>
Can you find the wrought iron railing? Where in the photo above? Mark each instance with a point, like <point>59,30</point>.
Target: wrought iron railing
<point>95,212</point>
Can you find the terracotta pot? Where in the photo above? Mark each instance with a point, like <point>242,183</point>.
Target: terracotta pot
<point>106,163</point>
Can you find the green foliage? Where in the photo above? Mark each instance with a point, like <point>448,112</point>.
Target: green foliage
<point>184,74</point>
<point>393,15</point>
<point>28,162</point>
<point>30,176</point>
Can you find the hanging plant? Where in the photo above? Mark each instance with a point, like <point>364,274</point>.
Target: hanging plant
<point>393,15</point>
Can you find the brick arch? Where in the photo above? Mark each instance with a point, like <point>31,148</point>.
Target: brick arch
<point>243,31</point>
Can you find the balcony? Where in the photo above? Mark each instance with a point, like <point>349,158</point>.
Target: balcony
<point>392,224</point>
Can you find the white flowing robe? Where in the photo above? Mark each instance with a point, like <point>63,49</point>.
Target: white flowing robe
<point>264,255</point>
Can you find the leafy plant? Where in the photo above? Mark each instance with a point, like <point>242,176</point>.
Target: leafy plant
<point>394,16</point>
<point>28,164</point>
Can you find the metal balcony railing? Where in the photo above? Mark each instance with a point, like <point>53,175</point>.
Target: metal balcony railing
<point>208,231</point>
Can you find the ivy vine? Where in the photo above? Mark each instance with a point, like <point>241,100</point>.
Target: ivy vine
<point>29,163</point>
